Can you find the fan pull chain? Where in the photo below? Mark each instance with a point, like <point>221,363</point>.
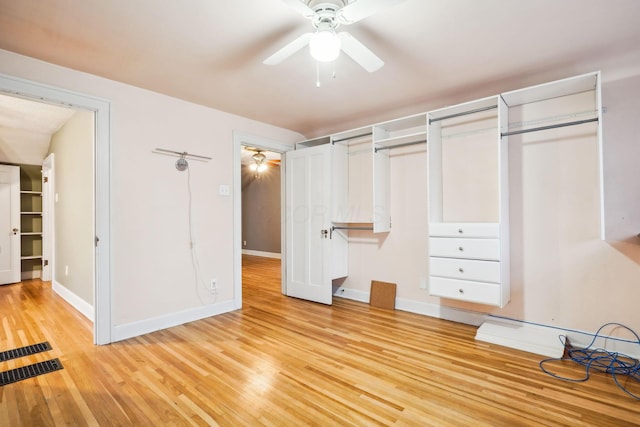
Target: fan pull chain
<point>317,74</point>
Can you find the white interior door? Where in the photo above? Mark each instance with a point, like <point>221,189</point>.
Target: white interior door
<point>9,224</point>
<point>308,223</point>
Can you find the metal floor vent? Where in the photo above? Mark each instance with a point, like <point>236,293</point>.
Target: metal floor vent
<point>24,351</point>
<point>29,371</point>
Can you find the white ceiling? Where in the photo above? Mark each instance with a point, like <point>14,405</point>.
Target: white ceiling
<point>435,52</point>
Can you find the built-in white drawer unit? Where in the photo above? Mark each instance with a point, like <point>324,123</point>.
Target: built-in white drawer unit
<point>479,292</point>
<point>449,247</point>
<point>465,269</point>
<point>480,230</point>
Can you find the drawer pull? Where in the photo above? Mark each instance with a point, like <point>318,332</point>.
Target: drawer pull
<point>460,248</point>
<point>461,290</point>
<point>460,231</point>
<point>461,270</point>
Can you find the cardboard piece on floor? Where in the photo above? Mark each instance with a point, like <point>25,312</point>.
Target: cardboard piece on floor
<point>383,295</point>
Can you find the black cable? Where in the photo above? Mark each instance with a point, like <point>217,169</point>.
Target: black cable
<point>599,360</point>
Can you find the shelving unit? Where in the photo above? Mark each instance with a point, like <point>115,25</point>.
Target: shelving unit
<point>468,177</point>
<point>468,203</point>
<point>400,133</point>
<point>571,109</point>
<point>31,221</point>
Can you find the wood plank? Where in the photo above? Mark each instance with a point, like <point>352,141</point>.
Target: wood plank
<point>283,361</point>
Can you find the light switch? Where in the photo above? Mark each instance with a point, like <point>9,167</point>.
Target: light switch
<point>224,190</point>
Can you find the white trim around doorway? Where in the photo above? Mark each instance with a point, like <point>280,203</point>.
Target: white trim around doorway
<point>240,139</point>
<point>13,86</point>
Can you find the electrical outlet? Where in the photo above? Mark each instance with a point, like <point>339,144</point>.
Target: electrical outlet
<point>212,286</point>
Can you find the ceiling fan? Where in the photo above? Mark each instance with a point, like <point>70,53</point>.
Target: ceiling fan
<point>259,162</point>
<point>325,44</point>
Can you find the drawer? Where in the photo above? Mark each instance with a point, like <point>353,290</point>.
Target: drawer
<point>483,249</point>
<point>465,269</point>
<point>464,229</point>
<point>464,290</point>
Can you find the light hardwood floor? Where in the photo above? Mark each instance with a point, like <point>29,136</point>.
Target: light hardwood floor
<point>281,361</point>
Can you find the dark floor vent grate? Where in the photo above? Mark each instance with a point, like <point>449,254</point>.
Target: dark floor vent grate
<point>24,351</point>
<point>29,371</point>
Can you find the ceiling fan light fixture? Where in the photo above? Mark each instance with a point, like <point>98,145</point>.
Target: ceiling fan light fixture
<point>324,44</point>
<point>259,165</point>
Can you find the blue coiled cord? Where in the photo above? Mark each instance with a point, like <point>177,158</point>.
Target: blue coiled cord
<point>599,360</point>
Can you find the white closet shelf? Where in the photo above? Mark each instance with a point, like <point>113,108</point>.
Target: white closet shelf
<point>471,107</point>
<point>352,136</point>
<point>415,121</point>
<point>402,139</point>
<point>30,213</point>
<point>35,193</point>
<point>556,89</point>
<point>31,257</point>
<point>32,233</point>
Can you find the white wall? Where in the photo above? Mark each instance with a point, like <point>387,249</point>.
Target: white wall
<point>152,272</point>
<point>74,215</point>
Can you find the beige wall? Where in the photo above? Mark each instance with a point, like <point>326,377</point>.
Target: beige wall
<point>72,147</point>
<point>261,215</point>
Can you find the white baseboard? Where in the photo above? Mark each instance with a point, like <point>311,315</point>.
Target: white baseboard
<point>426,309</point>
<point>262,254</point>
<point>458,315</point>
<point>352,294</point>
<point>78,303</point>
<point>134,329</point>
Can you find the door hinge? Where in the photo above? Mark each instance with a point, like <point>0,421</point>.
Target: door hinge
<point>97,240</point>
<point>45,179</point>
<point>45,262</point>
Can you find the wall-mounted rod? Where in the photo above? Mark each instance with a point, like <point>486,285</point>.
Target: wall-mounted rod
<point>464,113</point>
<point>183,154</point>
<point>404,144</point>
<point>559,125</point>
<point>351,137</point>
<point>340,227</point>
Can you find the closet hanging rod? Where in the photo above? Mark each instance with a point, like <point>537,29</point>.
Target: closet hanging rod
<point>404,144</point>
<point>340,227</point>
<point>464,113</point>
<point>182,154</point>
<point>559,125</point>
<point>351,137</point>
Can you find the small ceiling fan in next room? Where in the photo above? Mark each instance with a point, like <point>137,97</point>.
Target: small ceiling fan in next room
<point>325,43</point>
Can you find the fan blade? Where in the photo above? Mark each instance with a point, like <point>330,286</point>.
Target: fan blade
<point>288,50</point>
<point>360,53</point>
<point>301,8</point>
<point>360,9</point>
